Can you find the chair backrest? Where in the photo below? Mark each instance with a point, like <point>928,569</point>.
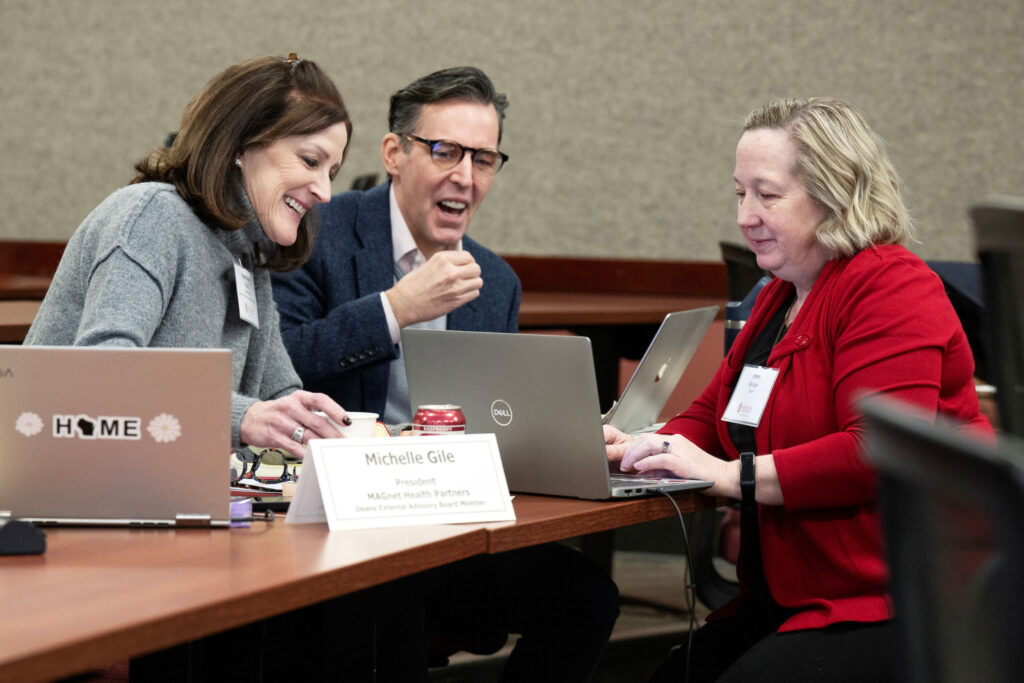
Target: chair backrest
<point>741,269</point>
<point>737,312</point>
<point>999,237</point>
<point>746,279</point>
<point>962,280</point>
<point>364,182</point>
<point>953,512</point>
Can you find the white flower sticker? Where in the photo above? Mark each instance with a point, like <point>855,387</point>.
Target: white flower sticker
<point>29,424</point>
<point>164,428</point>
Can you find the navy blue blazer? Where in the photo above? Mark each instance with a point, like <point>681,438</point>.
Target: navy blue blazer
<point>332,319</point>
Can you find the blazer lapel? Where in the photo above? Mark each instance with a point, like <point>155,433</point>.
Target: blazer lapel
<point>373,264</point>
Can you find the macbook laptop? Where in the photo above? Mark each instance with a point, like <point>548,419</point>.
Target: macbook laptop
<point>119,437</point>
<point>658,372</point>
<point>538,394</point>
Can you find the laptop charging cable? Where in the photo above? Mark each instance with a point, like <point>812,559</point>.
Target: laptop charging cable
<point>690,586</point>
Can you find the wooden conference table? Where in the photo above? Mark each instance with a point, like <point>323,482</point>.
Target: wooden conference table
<point>19,286</point>
<point>99,596</point>
<point>20,297</point>
<point>541,309</point>
<point>596,315</point>
<point>16,317</point>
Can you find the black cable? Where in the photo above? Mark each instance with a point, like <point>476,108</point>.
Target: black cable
<point>691,588</point>
<point>268,516</point>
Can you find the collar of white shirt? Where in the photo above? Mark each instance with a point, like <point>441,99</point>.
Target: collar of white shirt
<point>404,252</point>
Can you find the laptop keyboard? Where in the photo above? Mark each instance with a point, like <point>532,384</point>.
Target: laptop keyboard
<point>634,480</point>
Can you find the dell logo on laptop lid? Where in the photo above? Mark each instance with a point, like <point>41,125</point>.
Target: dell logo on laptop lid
<point>501,413</point>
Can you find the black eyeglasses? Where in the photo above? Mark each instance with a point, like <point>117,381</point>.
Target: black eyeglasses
<point>447,154</point>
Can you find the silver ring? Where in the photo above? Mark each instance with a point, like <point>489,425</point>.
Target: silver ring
<point>665,446</point>
<point>298,433</point>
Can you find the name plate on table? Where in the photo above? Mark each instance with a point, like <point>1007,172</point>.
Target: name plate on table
<point>401,481</point>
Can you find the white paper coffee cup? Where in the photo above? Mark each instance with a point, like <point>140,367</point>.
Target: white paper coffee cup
<point>362,425</point>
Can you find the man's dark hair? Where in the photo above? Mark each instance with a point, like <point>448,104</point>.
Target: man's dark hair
<point>456,83</point>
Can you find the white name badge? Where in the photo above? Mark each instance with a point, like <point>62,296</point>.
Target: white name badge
<point>401,481</point>
<point>750,396</point>
<point>246,296</point>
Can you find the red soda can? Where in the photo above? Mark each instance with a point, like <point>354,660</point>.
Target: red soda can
<point>438,420</point>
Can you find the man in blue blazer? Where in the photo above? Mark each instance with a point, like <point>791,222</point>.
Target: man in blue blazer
<point>398,255</point>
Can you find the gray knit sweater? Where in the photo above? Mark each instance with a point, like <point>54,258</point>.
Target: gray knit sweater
<point>143,270</point>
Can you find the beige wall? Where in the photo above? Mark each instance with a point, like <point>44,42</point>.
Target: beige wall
<point>623,119</point>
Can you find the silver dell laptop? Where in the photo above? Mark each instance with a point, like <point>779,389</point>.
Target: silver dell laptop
<point>538,394</point>
<point>115,437</point>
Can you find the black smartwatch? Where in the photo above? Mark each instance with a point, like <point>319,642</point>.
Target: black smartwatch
<point>747,478</point>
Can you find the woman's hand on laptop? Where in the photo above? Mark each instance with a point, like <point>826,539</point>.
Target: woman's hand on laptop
<point>289,422</point>
<point>616,443</point>
<point>648,454</point>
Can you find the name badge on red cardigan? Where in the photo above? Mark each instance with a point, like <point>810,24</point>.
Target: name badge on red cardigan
<point>750,395</point>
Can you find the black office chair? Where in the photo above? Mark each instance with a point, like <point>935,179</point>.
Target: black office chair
<point>962,281</point>
<point>999,237</point>
<point>741,268</point>
<point>737,312</point>
<point>953,512</point>
<point>713,586</point>
<point>364,182</point>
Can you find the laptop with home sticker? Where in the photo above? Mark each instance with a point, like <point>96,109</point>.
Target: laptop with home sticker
<point>115,436</point>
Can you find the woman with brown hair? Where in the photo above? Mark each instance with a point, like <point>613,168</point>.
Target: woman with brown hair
<point>181,256</point>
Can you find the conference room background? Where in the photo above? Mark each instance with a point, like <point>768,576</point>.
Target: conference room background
<point>623,120</point>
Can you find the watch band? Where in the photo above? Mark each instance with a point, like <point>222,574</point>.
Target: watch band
<point>747,479</point>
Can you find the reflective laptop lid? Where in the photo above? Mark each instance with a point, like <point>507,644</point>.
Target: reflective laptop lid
<point>658,372</point>
<point>112,436</point>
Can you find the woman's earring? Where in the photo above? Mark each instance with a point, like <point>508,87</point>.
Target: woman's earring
<point>238,162</point>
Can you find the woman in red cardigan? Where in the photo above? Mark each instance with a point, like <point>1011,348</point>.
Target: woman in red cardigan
<point>849,312</point>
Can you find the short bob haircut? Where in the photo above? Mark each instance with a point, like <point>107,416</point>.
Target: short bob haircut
<point>845,168</point>
<point>249,104</point>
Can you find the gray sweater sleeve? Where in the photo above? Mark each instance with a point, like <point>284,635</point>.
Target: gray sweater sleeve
<point>124,305</point>
<point>143,270</point>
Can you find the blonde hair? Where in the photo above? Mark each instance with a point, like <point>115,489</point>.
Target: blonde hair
<point>845,168</point>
